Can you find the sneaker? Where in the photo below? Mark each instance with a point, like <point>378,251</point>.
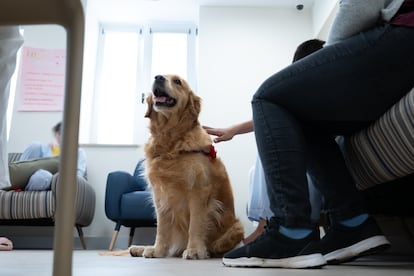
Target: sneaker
<point>343,244</point>
<point>273,249</point>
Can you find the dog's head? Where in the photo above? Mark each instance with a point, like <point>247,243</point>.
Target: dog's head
<point>172,97</point>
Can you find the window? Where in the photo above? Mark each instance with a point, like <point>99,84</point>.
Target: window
<point>171,59</point>
<point>128,59</point>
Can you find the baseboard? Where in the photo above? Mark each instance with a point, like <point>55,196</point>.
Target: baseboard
<point>44,240</point>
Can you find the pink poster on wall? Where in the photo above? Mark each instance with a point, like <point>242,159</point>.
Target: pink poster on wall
<point>42,81</point>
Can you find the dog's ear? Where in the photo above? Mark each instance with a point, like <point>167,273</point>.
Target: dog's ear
<point>149,106</point>
<point>195,104</point>
<point>192,109</point>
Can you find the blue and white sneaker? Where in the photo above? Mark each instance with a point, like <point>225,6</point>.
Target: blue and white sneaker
<point>343,244</point>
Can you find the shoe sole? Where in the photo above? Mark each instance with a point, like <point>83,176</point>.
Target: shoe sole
<point>365,247</point>
<point>306,261</point>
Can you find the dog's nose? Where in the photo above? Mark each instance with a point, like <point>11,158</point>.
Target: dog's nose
<point>159,78</point>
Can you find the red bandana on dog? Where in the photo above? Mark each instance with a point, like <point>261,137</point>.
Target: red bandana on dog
<point>212,153</point>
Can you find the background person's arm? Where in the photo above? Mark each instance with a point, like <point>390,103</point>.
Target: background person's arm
<point>225,134</point>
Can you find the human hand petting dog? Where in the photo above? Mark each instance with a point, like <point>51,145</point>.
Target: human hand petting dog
<point>226,134</point>
<point>223,134</point>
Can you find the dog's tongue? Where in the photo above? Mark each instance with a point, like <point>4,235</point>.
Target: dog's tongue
<point>160,99</point>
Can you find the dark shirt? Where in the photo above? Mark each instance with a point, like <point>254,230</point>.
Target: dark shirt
<point>405,15</point>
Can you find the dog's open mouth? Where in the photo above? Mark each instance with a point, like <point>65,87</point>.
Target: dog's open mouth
<point>161,98</point>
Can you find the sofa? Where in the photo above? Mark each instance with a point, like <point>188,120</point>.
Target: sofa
<point>381,161</point>
<point>381,157</point>
<point>37,207</point>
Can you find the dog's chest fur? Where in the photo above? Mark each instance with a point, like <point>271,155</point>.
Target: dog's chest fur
<point>175,186</point>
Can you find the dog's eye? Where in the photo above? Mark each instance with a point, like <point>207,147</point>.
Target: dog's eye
<point>177,81</point>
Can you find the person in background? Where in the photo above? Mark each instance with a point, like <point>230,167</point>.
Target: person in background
<point>39,150</point>
<point>258,207</point>
<point>10,43</point>
<point>364,68</point>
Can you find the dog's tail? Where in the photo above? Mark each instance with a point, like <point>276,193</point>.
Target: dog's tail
<point>229,240</point>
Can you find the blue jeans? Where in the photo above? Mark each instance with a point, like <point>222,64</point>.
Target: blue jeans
<point>298,111</point>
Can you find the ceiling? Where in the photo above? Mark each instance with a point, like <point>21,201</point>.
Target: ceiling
<point>269,3</point>
<point>126,10</point>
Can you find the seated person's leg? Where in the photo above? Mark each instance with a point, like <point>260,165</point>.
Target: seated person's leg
<point>259,209</point>
<point>40,181</point>
<point>315,198</point>
<point>36,150</point>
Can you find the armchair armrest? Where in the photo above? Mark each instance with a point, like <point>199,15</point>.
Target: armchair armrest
<point>85,199</point>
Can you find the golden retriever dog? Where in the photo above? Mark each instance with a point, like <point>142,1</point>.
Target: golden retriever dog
<point>191,190</point>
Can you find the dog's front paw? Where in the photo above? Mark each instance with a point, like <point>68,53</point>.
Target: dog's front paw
<point>154,252</point>
<point>149,252</point>
<point>194,254</point>
<point>136,251</point>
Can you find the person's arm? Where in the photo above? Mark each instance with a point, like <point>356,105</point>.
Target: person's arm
<point>354,16</point>
<point>225,134</point>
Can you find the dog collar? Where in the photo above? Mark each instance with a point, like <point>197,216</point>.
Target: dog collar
<point>212,153</point>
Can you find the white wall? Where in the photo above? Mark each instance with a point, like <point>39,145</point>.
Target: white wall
<point>238,49</point>
<point>323,13</point>
<point>29,126</point>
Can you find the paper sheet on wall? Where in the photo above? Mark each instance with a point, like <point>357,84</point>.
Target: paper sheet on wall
<point>42,79</point>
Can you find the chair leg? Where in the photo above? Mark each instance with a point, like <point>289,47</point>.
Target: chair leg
<point>81,236</point>
<point>114,236</point>
<point>131,236</point>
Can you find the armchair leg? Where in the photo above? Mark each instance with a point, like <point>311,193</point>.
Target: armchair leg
<point>81,236</point>
<point>131,236</point>
<point>114,236</point>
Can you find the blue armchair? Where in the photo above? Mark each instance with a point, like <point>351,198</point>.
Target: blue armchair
<point>128,201</point>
